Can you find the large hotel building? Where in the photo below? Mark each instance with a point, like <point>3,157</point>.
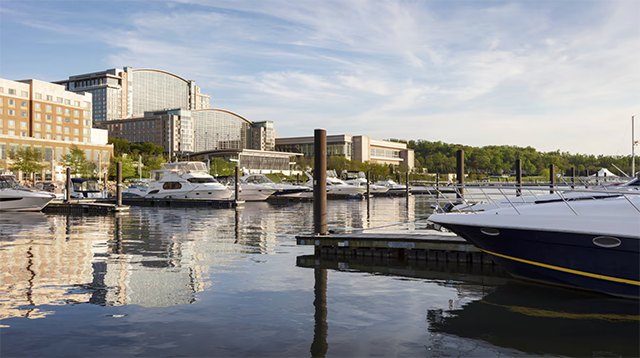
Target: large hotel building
<point>49,118</point>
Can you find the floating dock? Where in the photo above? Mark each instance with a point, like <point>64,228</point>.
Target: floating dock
<point>429,245</point>
<point>181,203</point>
<point>83,207</point>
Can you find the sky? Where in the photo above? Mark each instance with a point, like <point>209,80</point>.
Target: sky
<point>554,75</point>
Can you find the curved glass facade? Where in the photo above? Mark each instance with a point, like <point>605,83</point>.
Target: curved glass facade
<point>217,129</point>
<point>156,90</point>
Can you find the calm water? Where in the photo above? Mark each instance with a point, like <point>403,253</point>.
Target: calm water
<point>161,282</point>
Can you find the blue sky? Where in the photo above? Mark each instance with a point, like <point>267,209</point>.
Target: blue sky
<point>547,74</point>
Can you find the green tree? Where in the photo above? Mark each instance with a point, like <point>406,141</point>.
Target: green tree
<point>220,167</point>
<point>76,160</point>
<point>27,160</point>
<point>128,170</point>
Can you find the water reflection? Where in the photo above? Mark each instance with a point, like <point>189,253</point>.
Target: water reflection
<point>541,319</point>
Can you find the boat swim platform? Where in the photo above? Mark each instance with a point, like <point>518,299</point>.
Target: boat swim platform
<point>423,245</point>
<point>81,206</point>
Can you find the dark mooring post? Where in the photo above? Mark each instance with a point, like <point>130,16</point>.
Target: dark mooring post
<point>320,182</point>
<point>67,195</point>
<point>460,172</point>
<point>572,172</point>
<point>368,186</point>
<point>552,177</point>
<point>119,184</point>
<point>406,185</point>
<point>319,346</point>
<point>237,184</point>
<point>519,177</point>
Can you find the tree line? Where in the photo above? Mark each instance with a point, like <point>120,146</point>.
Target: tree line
<point>439,157</point>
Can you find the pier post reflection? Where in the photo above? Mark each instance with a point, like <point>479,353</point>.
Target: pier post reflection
<point>319,346</point>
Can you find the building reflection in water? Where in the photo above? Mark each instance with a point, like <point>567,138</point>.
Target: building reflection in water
<point>152,258</point>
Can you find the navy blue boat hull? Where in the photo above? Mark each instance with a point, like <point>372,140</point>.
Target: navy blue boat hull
<point>567,259</point>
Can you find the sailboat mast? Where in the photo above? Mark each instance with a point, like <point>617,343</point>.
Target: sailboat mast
<point>633,148</point>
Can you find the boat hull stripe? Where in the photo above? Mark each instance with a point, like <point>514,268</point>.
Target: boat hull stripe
<point>557,268</point>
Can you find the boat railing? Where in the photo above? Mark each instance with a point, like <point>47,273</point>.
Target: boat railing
<point>464,196</point>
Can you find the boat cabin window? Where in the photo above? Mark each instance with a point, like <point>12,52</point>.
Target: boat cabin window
<point>171,185</point>
<point>9,182</point>
<point>156,175</point>
<point>202,180</point>
<point>86,185</point>
<point>257,179</point>
<point>197,168</point>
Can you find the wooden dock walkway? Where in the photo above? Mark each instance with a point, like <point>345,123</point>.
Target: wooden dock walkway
<point>429,245</point>
<point>80,206</point>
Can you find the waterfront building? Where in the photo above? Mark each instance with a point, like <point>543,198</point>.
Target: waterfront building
<point>360,148</point>
<point>182,131</point>
<point>130,93</point>
<point>46,117</point>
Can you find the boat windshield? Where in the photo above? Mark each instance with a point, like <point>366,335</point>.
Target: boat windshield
<point>9,182</point>
<point>184,168</point>
<point>257,179</point>
<point>202,180</point>
<point>87,185</point>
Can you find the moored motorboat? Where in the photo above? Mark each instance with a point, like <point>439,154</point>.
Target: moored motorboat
<point>589,244</point>
<point>394,188</point>
<point>361,181</point>
<point>185,180</point>
<point>15,197</point>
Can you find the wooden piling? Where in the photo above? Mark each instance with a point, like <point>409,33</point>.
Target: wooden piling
<point>119,184</point>
<point>237,184</point>
<point>406,185</point>
<point>460,172</point>
<point>552,177</point>
<point>519,176</point>
<point>320,182</point>
<point>573,177</point>
<point>67,196</point>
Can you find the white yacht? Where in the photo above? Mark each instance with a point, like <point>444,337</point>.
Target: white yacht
<point>361,181</point>
<point>85,189</point>
<point>185,180</point>
<point>394,188</point>
<point>282,190</point>
<point>338,187</point>
<point>251,189</point>
<point>15,197</point>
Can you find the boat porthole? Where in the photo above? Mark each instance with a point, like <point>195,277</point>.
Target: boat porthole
<point>490,231</point>
<point>209,192</point>
<point>197,193</point>
<point>606,241</point>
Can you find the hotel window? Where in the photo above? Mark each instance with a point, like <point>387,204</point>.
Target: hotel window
<point>11,132</point>
<point>48,127</point>
<point>12,91</point>
<point>1,89</point>
<point>25,94</point>
<point>66,138</point>
<point>38,106</point>
<point>23,104</point>
<point>66,129</point>
<point>38,116</point>
<point>47,136</point>
<point>76,103</point>
<point>67,111</point>
<point>76,131</point>
<point>37,135</point>
<point>23,114</point>
<point>67,101</point>
<point>11,123</point>
<point>23,125</point>
<point>58,128</point>
<point>38,126</point>
<point>59,119</point>
<point>76,113</point>
<point>0,100</point>
<point>76,121</point>
<point>58,109</point>
<point>38,95</point>
<point>87,122</point>
<point>75,139</point>
<point>48,117</point>
<point>12,112</point>
<point>23,134</point>
<point>67,120</point>
<point>58,137</point>
<point>48,108</point>
<point>59,99</point>
<point>49,98</point>
<point>12,102</point>
<point>1,110</point>
<point>86,131</point>
<point>87,114</point>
